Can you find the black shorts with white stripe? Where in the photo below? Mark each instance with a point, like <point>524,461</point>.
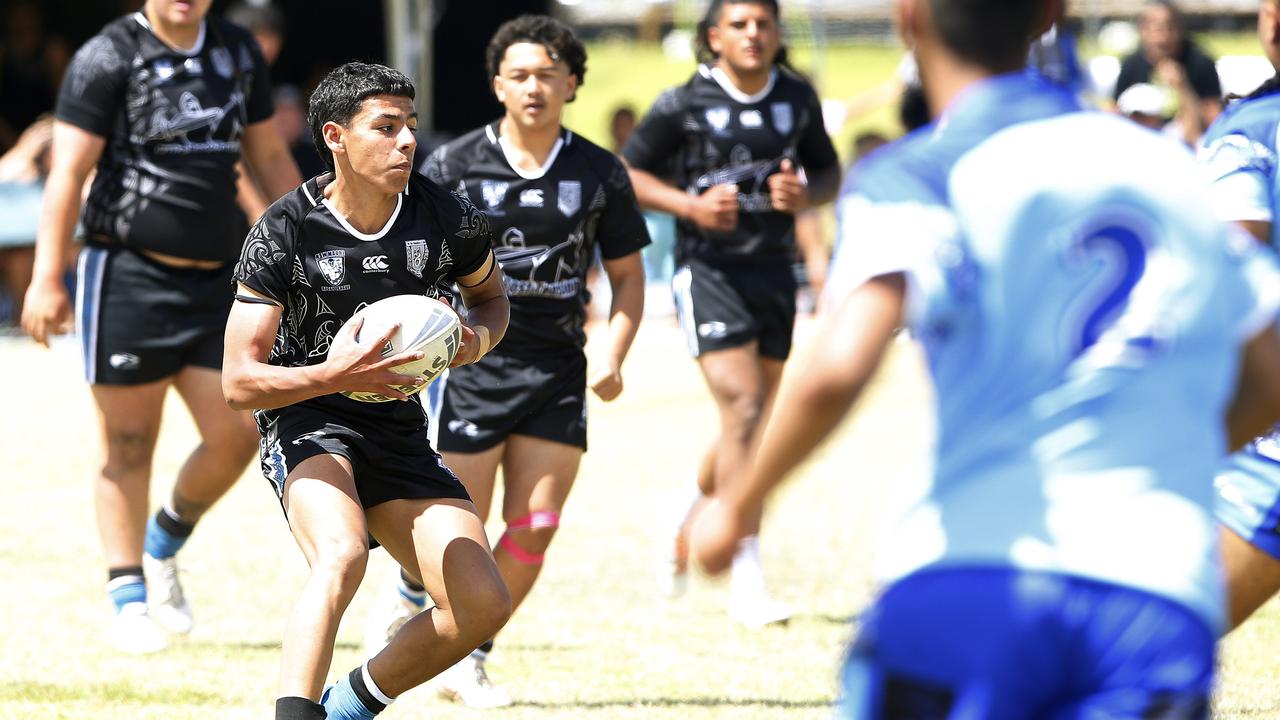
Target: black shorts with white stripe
<point>728,305</point>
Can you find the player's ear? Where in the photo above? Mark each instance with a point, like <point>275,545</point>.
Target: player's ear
<point>714,41</point>
<point>1050,11</point>
<point>906,14</point>
<point>332,134</point>
<point>498,89</point>
<point>573,88</point>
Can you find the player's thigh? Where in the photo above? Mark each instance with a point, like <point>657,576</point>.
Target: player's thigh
<point>218,424</point>
<point>1253,576</point>
<point>445,541</point>
<point>129,419</point>
<point>478,472</point>
<point>537,475</point>
<point>324,510</point>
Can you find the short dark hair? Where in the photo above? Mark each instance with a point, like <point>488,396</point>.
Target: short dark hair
<point>702,43</point>
<point>339,95</point>
<point>994,34</point>
<point>560,42</point>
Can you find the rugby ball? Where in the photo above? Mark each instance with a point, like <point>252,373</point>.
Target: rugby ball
<point>426,324</point>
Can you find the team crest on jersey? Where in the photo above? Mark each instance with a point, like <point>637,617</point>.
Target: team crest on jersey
<point>416,256</point>
<point>494,192</point>
<point>222,62</point>
<point>783,118</point>
<point>718,118</point>
<point>333,266</point>
<point>569,197</point>
<point>163,68</point>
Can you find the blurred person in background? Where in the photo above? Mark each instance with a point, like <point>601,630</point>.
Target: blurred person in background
<point>1167,58</point>
<point>161,102</point>
<point>724,153</point>
<point>22,172</point>
<point>554,201</point>
<point>291,118</point>
<point>1242,160</point>
<point>31,66</point>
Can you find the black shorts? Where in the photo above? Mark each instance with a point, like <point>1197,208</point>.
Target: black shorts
<point>140,321</point>
<point>728,306</point>
<point>389,461</point>
<point>475,407</point>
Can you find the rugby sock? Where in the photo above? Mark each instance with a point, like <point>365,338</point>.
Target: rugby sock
<point>748,575</point>
<point>125,586</point>
<point>410,590</point>
<point>166,534</point>
<point>355,697</point>
<point>298,708</point>
<point>481,653</point>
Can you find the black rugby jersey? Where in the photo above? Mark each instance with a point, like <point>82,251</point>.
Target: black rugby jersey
<point>546,226</point>
<point>173,121</point>
<point>707,132</point>
<point>309,259</point>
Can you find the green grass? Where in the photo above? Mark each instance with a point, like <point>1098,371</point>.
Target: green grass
<point>592,642</point>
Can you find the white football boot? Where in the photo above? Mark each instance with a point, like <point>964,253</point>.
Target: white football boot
<point>468,684</point>
<point>133,631</point>
<point>168,605</point>
<point>749,600</point>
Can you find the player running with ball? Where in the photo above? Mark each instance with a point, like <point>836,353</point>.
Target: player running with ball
<point>555,200</point>
<point>344,470</point>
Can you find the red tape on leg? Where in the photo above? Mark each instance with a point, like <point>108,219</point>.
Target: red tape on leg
<point>533,521</point>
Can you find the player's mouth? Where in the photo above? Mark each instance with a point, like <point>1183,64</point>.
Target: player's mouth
<point>405,166</point>
<point>534,108</point>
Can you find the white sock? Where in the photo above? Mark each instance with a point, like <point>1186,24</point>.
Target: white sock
<point>686,504</point>
<point>748,575</point>
<point>372,686</point>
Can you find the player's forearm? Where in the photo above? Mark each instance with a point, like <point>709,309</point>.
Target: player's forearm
<point>58,215</point>
<point>253,385</point>
<point>823,186</point>
<point>249,196</point>
<point>625,311</point>
<point>274,169</point>
<point>655,194</point>
<point>492,314</point>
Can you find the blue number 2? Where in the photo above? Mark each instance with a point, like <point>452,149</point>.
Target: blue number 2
<point>1123,256</point>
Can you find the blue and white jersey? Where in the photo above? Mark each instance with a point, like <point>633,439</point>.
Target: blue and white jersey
<point>1238,154</point>
<point>1081,311</point>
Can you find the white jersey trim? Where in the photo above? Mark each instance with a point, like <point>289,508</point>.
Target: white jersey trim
<point>365,236</point>
<point>538,174</point>
<point>732,90</point>
<point>191,52</point>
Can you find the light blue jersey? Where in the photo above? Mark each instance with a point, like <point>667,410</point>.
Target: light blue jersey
<point>1239,154</point>
<point>1081,310</point>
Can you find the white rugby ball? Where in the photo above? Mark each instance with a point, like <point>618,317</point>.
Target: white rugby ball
<point>426,324</point>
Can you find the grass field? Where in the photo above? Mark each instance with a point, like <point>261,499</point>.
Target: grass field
<point>593,641</point>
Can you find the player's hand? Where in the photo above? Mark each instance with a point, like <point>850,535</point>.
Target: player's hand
<point>716,209</point>
<point>786,191</point>
<point>606,383</point>
<point>1170,72</point>
<point>358,366</point>
<point>713,539</point>
<point>46,310</point>
<point>473,346</point>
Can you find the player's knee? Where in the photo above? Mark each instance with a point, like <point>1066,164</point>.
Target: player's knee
<point>534,541</point>
<point>340,565</point>
<point>744,413</point>
<point>527,538</point>
<point>487,609</point>
<point>129,449</point>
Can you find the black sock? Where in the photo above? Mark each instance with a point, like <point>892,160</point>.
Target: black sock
<point>173,524</point>
<point>410,583</point>
<point>119,572</point>
<point>486,647</point>
<point>298,708</point>
<point>356,678</point>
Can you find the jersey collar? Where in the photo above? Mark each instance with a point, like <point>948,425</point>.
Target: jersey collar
<point>191,52</point>
<point>566,137</point>
<point>715,73</point>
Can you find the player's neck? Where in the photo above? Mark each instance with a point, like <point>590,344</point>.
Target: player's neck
<point>531,146</point>
<point>364,206</point>
<point>178,37</point>
<point>749,83</point>
<point>945,80</point>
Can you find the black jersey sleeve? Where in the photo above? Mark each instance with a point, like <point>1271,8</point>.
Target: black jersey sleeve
<point>622,229</point>
<point>814,149</point>
<point>437,169</point>
<point>259,105</point>
<point>466,233</point>
<point>659,134</point>
<point>92,92</point>
<point>266,260</point>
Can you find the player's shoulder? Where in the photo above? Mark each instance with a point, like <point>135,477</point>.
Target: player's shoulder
<point>467,143</point>
<point>591,153</point>
<point>905,170</point>
<point>1255,117</point>
<point>790,82</point>
<point>289,209</point>
<point>119,38</point>
<point>448,161</point>
<point>444,203</point>
<point>677,98</point>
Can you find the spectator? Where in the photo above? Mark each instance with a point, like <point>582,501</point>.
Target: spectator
<point>22,173</point>
<point>31,66</point>
<point>265,22</point>
<point>1165,56</point>
<point>291,118</point>
<point>621,124</point>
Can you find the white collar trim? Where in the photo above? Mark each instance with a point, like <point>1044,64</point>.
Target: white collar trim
<point>364,236</point>
<point>715,73</point>
<point>509,154</point>
<point>192,52</point>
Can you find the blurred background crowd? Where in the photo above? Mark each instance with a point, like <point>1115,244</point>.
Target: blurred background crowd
<point>1170,67</point>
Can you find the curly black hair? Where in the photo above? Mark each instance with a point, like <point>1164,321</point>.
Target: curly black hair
<point>561,44</point>
<point>339,95</point>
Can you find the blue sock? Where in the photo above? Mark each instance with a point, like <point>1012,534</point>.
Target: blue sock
<point>125,585</point>
<point>353,698</point>
<point>166,534</point>
<point>412,591</point>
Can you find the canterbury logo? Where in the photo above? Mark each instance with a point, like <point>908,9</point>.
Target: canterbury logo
<point>375,263</point>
